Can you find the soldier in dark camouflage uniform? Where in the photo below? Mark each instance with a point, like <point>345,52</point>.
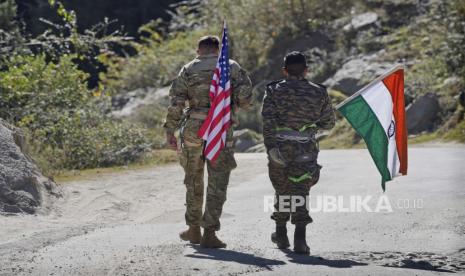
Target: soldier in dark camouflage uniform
<point>192,87</point>
<point>293,110</point>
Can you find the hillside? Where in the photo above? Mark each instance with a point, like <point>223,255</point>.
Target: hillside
<point>347,46</point>
<point>90,92</point>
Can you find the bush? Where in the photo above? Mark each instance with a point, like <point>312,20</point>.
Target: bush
<point>88,141</point>
<point>34,91</point>
<point>67,126</point>
<point>157,63</point>
<point>151,117</point>
<point>455,56</point>
<point>254,26</point>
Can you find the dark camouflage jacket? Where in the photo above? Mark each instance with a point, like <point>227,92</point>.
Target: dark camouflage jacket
<point>295,103</point>
<point>192,86</point>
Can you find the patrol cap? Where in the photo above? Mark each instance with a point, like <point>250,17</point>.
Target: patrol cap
<point>295,63</point>
<point>209,42</point>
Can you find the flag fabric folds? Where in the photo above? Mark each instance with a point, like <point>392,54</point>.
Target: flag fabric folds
<point>218,121</point>
<point>377,113</point>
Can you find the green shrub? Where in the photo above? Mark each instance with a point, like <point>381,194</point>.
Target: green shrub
<point>34,92</point>
<point>157,63</point>
<point>67,126</point>
<point>89,141</point>
<point>254,26</point>
<point>151,117</point>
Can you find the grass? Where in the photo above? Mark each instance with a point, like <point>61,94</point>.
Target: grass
<point>155,158</point>
<point>424,138</point>
<point>342,137</point>
<point>456,134</point>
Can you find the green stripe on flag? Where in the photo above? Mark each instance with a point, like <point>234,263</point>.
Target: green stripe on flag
<point>364,121</point>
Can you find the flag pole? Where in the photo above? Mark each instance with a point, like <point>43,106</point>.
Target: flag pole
<point>363,89</point>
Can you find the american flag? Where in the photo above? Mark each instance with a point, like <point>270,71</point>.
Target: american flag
<point>218,120</point>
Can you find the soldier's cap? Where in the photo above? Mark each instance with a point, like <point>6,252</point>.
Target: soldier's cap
<point>295,63</point>
<point>209,42</point>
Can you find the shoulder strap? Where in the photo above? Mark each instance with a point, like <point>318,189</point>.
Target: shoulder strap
<point>273,82</point>
<point>319,85</point>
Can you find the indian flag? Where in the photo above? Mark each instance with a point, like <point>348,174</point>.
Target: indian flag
<point>377,113</point>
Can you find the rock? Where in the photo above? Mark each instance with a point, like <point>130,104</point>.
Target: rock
<point>120,101</point>
<point>398,12</point>
<point>257,148</point>
<point>362,21</point>
<point>452,83</point>
<point>422,113</point>
<point>356,73</point>
<point>245,139</point>
<point>285,43</point>
<point>22,187</point>
<point>321,65</point>
<point>126,104</point>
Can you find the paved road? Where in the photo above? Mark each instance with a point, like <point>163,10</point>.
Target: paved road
<point>127,223</point>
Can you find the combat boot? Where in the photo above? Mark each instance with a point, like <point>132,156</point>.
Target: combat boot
<point>280,236</point>
<point>210,240</point>
<point>300,243</point>
<point>192,234</point>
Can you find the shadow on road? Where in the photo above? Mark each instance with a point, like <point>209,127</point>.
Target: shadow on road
<point>316,260</point>
<point>421,265</point>
<point>233,256</point>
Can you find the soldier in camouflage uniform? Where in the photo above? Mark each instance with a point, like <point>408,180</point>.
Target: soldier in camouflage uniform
<point>293,110</point>
<point>192,87</point>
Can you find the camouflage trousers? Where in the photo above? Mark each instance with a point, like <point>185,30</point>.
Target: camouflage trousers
<point>284,191</point>
<point>218,178</point>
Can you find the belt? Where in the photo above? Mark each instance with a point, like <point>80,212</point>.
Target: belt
<point>198,115</point>
<point>229,144</point>
<point>297,136</point>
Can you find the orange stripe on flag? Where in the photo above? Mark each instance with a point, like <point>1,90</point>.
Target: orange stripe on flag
<point>395,84</point>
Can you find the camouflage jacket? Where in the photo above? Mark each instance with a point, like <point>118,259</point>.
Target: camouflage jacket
<point>294,103</point>
<point>192,86</point>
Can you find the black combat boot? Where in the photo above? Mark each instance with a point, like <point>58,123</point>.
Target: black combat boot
<point>300,244</point>
<point>280,236</point>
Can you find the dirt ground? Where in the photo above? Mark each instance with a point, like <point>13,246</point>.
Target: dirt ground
<point>127,223</point>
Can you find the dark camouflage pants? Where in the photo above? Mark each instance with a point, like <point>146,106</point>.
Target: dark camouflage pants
<point>285,189</point>
<point>218,178</point>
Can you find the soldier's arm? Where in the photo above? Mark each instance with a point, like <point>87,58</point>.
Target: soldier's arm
<point>178,97</point>
<point>327,119</point>
<point>242,87</point>
<point>269,120</point>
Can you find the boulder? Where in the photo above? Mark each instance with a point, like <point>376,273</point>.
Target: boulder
<point>22,187</point>
<point>422,113</point>
<point>362,21</point>
<point>285,43</point>
<point>257,148</point>
<point>128,103</point>
<point>399,12</point>
<point>356,73</point>
<point>245,139</point>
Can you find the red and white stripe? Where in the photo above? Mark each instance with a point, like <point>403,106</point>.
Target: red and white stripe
<point>218,120</point>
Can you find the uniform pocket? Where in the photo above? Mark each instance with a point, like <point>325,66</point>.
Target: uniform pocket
<point>189,133</point>
<point>230,160</point>
<point>183,156</point>
<point>225,161</point>
<point>315,176</point>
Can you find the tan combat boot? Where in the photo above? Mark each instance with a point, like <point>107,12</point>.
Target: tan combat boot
<point>192,234</point>
<point>210,240</point>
